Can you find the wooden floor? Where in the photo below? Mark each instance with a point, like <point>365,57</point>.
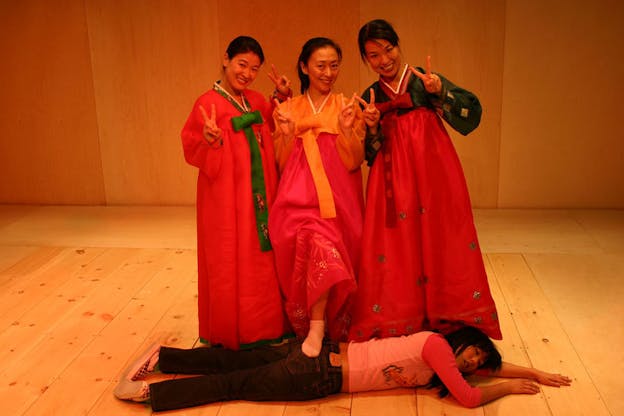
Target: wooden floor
<point>83,289</point>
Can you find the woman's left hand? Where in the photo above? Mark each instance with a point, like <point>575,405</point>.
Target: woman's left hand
<point>282,84</point>
<point>283,118</point>
<point>432,82</point>
<point>554,380</point>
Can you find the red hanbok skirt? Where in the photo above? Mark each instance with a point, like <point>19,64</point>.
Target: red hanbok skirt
<point>421,263</point>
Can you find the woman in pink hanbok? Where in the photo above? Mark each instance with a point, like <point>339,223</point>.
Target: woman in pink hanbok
<point>316,220</point>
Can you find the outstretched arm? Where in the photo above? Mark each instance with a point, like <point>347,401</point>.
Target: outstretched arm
<point>439,356</point>
<point>509,370</point>
<point>524,381</point>
<point>515,386</point>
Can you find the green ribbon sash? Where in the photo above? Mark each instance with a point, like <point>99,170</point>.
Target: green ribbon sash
<point>258,189</point>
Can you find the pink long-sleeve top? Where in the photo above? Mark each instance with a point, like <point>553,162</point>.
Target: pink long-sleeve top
<point>408,361</point>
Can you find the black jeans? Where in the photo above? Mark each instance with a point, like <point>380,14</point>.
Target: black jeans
<point>281,373</point>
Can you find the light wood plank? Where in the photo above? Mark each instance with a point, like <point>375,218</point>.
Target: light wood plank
<point>136,326</point>
<point>532,231</point>
<point>59,305</point>
<point>604,226</point>
<point>571,281</point>
<point>96,226</point>
<point>546,343</point>
<point>430,404</point>
<point>176,328</point>
<point>239,408</point>
<point>122,304</point>
<point>387,402</point>
<point>336,405</point>
<point>27,265</point>
<point>12,255</point>
<point>513,350</point>
<point>21,293</point>
<point>586,293</point>
<point>11,213</point>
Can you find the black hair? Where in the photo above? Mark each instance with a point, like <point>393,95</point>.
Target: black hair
<point>244,44</point>
<point>376,29</point>
<point>463,338</point>
<point>306,51</point>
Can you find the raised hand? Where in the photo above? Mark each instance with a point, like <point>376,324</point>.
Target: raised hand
<point>282,84</point>
<point>371,113</point>
<point>211,131</point>
<point>283,118</point>
<point>431,81</point>
<point>346,117</point>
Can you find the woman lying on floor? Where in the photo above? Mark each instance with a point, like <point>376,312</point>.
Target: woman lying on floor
<point>284,373</point>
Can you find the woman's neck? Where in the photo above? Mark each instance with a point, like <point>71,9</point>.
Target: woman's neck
<point>235,94</point>
<point>317,99</point>
<point>238,100</point>
<point>317,96</point>
<point>395,82</point>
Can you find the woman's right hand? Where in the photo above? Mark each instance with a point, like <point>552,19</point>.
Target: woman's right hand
<point>431,81</point>
<point>494,391</point>
<point>210,130</point>
<point>346,117</point>
<point>523,386</point>
<point>370,112</point>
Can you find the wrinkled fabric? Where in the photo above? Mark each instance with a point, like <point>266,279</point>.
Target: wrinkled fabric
<point>239,301</point>
<point>421,266</point>
<point>315,254</point>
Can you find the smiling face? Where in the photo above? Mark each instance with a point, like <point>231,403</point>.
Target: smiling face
<point>240,71</point>
<point>383,58</point>
<point>470,359</point>
<point>322,68</point>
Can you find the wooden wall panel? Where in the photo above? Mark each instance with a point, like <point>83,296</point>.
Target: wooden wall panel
<point>283,26</point>
<point>151,60</point>
<point>94,93</point>
<point>465,41</point>
<point>49,150</point>
<point>562,141</point>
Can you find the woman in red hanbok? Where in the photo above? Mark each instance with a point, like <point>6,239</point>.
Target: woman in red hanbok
<point>421,263</point>
<point>228,138</point>
<point>316,219</point>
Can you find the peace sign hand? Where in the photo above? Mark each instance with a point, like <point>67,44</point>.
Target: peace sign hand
<point>371,113</point>
<point>432,82</point>
<point>211,131</point>
<point>283,118</point>
<point>346,117</point>
<point>282,84</point>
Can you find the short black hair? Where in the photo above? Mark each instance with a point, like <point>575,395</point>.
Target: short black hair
<point>463,338</point>
<point>244,44</point>
<point>376,29</point>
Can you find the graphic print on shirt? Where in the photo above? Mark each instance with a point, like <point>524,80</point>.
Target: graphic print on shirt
<point>394,373</point>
